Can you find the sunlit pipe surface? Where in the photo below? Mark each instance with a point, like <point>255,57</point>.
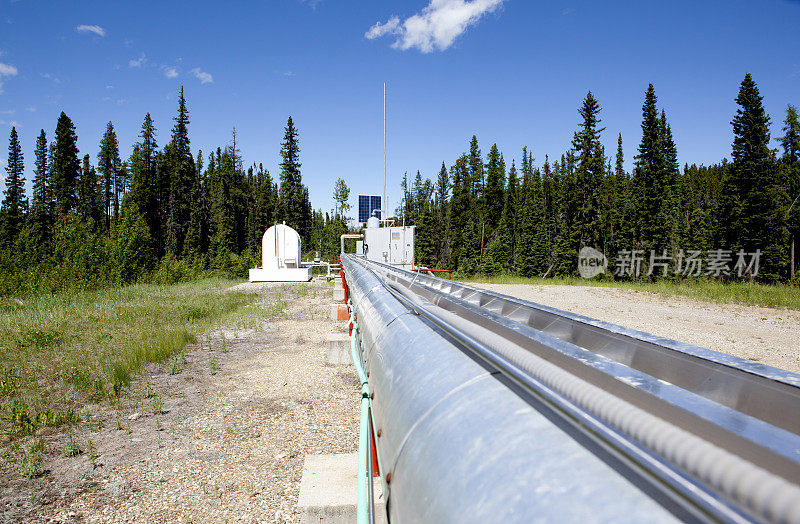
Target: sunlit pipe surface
<point>461,446</point>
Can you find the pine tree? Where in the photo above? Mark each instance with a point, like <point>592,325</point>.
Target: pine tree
<point>461,207</point>
<point>89,202</point>
<point>508,227</point>
<point>65,166</point>
<point>649,164</point>
<point>14,205</point>
<point>196,243</point>
<point>109,165</point>
<point>223,215</point>
<point>758,194</point>
<point>791,161</point>
<point>791,138</point>
<point>41,218</point>
<point>144,177</point>
<point>587,227</point>
<point>294,208</point>
<point>476,170</point>
<point>442,221</point>
<point>181,173</point>
<point>494,189</point>
<point>526,219</point>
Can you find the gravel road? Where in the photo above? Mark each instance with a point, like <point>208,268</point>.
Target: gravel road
<point>229,446</point>
<point>762,334</point>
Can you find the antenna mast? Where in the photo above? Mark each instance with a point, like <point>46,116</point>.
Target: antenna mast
<point>384,206</point>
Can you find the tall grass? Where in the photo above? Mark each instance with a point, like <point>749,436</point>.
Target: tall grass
<point>765,295</point>
<point>59,351</point>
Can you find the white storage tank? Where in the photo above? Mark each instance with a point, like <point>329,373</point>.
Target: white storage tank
<point>280,257</point>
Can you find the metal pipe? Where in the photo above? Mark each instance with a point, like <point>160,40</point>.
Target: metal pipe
<point>349,235</point>
<point>720,484</point>
<point>459,443</point>
<point>365,505</point>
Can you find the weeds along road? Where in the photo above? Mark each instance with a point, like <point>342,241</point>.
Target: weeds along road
<point>222,437</point>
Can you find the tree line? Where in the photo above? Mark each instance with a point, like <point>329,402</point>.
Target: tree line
<point>736,219</point>
<point>163,214</point>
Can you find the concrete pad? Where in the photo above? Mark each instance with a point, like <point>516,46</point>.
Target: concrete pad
<point>338,294</point>
<point>339,312</point>
<point>329,490</point>
<point>337,349</point>
<point>299,274</point>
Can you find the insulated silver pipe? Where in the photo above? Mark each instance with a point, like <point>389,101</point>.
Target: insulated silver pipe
<point>745,490</point>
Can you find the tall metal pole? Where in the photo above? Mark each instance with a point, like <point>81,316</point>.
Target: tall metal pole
<point>384,205</point>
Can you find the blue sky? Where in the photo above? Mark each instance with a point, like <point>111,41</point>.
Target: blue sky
<point>510,71</point>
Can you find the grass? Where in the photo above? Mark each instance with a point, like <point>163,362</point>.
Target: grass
<point>60,352</point>
<point>765,295</point>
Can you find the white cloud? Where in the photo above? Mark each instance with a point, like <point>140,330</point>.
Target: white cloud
<point>96,29</point>
<point>7,112</point>
<point>205,78</point>
<point>379,29</point>
<point>288,73</point>
<point>170,72</point>
<point>10,123</point>
<point>7,70</point>
<point>48,76</point>
<point>437,26</point>
<point>137,62</point>
<point>30,109</point>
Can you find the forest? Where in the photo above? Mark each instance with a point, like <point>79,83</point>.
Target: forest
<point>163,215</point>
<point>166,214</point>
<point>735,220</point>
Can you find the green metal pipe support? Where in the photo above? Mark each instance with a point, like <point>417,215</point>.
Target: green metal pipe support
<point>363,509</point>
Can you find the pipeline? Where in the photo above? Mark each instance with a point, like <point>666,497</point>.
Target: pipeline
<point>365,507</point>
<point>469,431</point>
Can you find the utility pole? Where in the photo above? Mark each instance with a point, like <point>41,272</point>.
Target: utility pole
<point>384,205</point>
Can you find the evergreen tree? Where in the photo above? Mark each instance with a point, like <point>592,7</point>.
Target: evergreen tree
<point>757,193</point>
<point>494,189</point>
<point>294,206</point>
<point>223,215</point>
<point>144,176</point>
<point>508,228</point>
<point>443,218</point>
<point>649,163</point>
<point>461,207</point>
<point>41,219</point>
<point>476,170</point>
<point>109,165</point>
<point>196,243</point>
<point>527,221</point>
<point>65,166</point>
<point>791,161</point>
<point>89,202</point>
<point>587,226</point>
<point>181,173</point>
<point>14,205</point>
<point>791,138</point>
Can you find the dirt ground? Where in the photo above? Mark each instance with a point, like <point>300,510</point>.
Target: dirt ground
<point>761,334</point>
<point>227,446</point>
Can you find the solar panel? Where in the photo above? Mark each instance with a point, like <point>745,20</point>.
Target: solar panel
<point>366,205</point>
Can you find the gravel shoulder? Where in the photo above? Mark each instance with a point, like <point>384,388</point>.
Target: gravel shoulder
<point>761,334</point>
<point>230,440</point>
